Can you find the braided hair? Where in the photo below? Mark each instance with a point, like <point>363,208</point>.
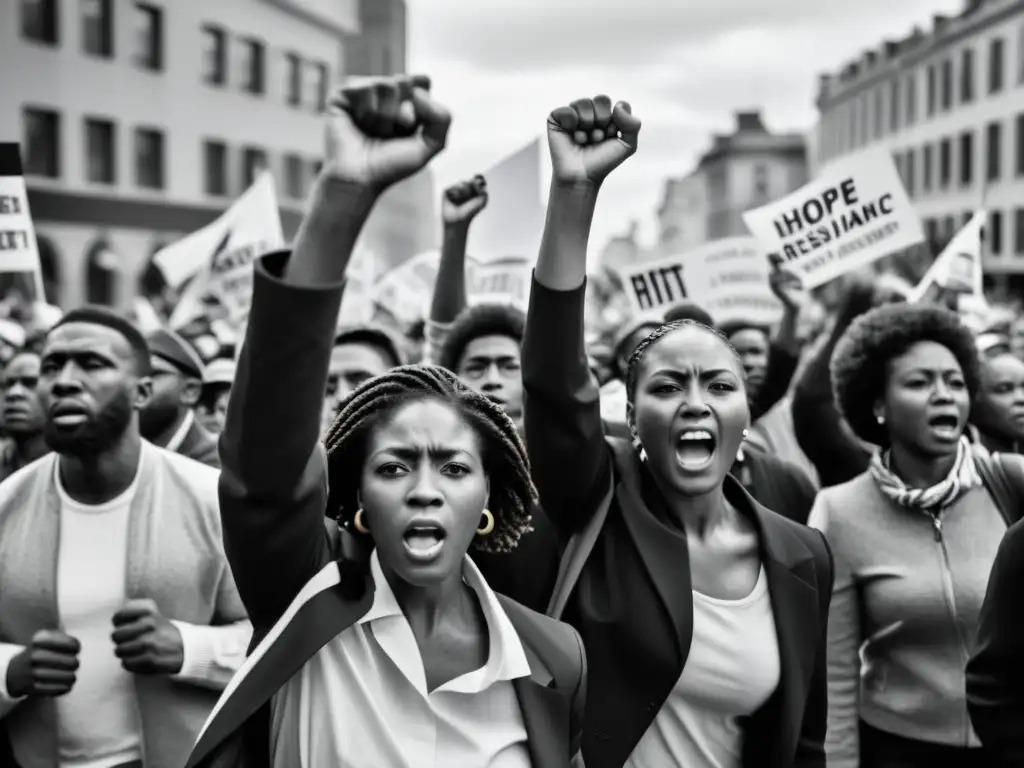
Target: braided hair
<point>656,335</point>
<point>504,455</point>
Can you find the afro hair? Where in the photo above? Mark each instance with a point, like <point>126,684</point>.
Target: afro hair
<point>859,362</point>
<point>374,336</point>
<point>487,319</point>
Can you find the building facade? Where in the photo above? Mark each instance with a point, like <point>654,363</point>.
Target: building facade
<point>949,104</point>
<point>682,214</point>
<point>141,121</point>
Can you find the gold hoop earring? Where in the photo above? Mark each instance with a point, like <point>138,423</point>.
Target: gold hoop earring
<point>488,523</point>
<point>357,522</point>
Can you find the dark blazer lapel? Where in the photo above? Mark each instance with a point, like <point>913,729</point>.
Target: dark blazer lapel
<point>324,616</point>
<point>666,562</point>
<point>789,566</point>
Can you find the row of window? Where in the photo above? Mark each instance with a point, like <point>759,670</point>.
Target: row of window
<point>897,104</point>
<point>42,157</point>
<point>40,23</point>
<point>305,81</point>
<point>942,230</point>
<point>952,159</point>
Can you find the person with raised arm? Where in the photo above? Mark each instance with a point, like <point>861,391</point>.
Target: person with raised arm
<point>703,613</point>
<point>378,642</point>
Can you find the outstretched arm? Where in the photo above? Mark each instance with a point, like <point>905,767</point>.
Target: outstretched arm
<point>564,432</point>
<point>273,485</point>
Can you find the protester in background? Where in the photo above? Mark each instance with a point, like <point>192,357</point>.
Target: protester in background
<point>359,354</point>
<point>119,618</point>
<point>914,538</point>
<point>169,419</point>
<point>998,412</point>
<point>12,339</point>
<point>415,341</point>
<point>23,417</point>
<point>703,613</point>
<point>218,377</point>
<point>406,655</point>
<point>460,204</point>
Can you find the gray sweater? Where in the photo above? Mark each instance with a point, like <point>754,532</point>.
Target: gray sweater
<point>903,615</point>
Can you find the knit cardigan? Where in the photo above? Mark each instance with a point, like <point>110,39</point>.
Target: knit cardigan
<point>175,557</point>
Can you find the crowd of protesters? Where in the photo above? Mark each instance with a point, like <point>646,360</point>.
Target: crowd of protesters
<point>490,542</point>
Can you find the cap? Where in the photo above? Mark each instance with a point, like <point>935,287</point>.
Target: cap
<point>220,371</point>
<point>171,347</point>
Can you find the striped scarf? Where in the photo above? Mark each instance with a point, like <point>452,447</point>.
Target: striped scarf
<point>961,478</point>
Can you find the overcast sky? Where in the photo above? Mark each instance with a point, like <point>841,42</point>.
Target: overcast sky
<point>685,65</point>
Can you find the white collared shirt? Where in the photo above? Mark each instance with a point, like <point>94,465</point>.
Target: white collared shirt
<point>362,700</point>
<point>179,437</point>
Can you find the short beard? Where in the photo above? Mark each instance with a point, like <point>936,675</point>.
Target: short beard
<point>156,418</point>
<point>95,436</point>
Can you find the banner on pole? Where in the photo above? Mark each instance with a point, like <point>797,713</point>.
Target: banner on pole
<point>19,249</point>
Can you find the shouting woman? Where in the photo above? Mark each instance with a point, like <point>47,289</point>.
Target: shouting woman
<point>379,645</point>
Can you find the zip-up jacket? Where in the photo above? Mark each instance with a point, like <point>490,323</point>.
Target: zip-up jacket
<point>908,590</point>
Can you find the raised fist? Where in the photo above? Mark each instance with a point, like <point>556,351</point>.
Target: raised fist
<point>464,201</point>
<point>383,130</point>
<point>590,138</point>
<point>787,288</point>
<point>46,667</point>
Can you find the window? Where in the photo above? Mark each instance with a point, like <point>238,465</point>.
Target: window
<point>1020,55</point>
<point>865,119</point>
<point>100,151</point>
<point>149,158</point>
<point>897,160</point>
<point>215,167</point>
<point>994,233</point>
<point>253,161</point>
<point>931,231</point>
<point>1018,234</point>
<point>315,167</point>
<point>41,148</point>
<point>928,163</point>
<point>966,158</point>
<point>931,90</point>
<point>760,181</point>
<point>293,73</point>
<point>894,106</point>
<point>1020,143</point>
<point>994,135</point>
<point>967,76</point>
<point>854,122</point>
<point>945,162</point>
<point>879,115</point>
<point>910,172</point>
<point>215,55</point>
<point>98,28</point>
<point>949,227</point>
<point>996,53</point>
<point>253,52</point>
<point>39,21</point>
<point>318,84</point>
<point>149,37</point>
<point>965,217</point>
<point>294,177</point>
<point>947,85</point>
<point>911,98</point>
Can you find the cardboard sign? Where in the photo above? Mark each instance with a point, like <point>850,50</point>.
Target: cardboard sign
<point>856,212</point>
<point>958,268</point>
<point>728,278</point>
<point>19,250</point>
<point>501,281</point>
<point>219,257</point>
<point>406,291</point>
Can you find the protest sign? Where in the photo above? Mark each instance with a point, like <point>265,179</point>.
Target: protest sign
<point>357,307</point>
<point>219,257</point>
<point>857,211</point>
<point>502,281</point>
<point>958,268</point>
<point>405,292</point>
<point>19,250</point>
<point>728,278</point>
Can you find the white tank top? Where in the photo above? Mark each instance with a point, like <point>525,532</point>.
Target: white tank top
<point>733,668</point>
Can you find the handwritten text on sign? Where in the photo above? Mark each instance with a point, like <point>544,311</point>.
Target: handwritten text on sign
<point>856,212</point>
<point>655,285</point>
<point>506,280</point>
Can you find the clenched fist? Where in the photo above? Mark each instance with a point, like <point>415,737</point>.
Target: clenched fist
<point>590,138</point>
<point>146,642</point>
<point>384,130</point>
<point>46,667</point>
<point>464,201</point>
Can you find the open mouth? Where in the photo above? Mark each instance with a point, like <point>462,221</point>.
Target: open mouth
<point>424,541</point>
<point>945,425</point>
<point>695,448</point>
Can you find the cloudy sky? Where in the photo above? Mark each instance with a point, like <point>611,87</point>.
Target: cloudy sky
<point>685,65</point>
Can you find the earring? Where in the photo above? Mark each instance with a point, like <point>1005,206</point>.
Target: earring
<point>357,522</point>
<point>487,518</point>
<point>745,433</point>
<point>881,419</point>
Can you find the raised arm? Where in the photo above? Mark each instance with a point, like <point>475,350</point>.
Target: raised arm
<point>564,433</point>
<point>459,206</point>
<point>784,350</point>
<point>273,486</point>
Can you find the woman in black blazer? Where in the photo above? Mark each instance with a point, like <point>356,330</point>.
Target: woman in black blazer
<point>703,613</point>
<point>377,643</point>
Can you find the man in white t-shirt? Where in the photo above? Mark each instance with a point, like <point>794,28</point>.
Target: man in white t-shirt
<point>119,618</point>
